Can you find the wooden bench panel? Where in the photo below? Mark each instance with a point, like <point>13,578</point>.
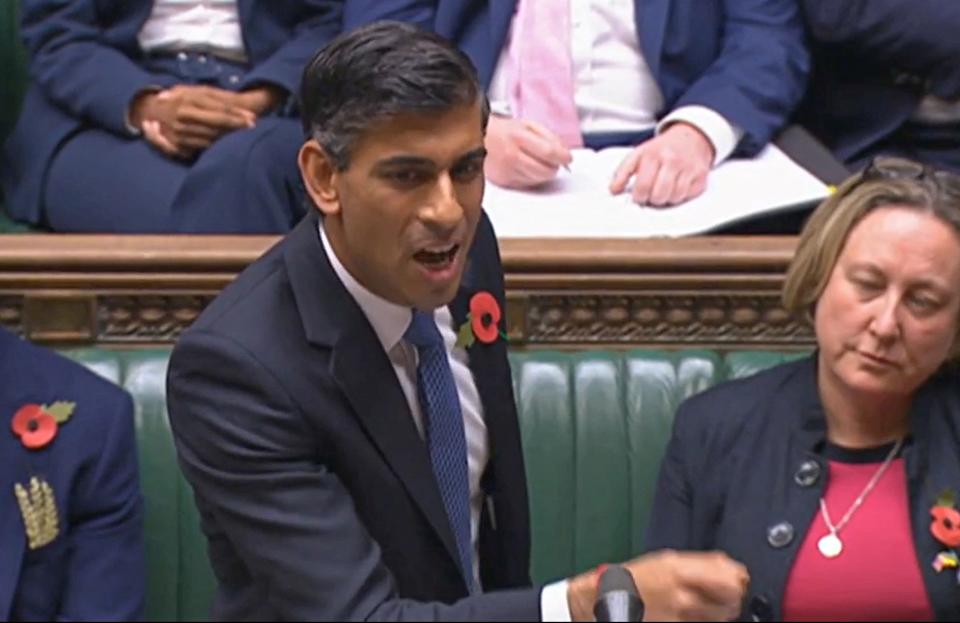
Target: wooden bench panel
<point>709,291</point>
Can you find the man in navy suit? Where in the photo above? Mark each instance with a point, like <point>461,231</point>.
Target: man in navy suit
<point>344,409</point>
<point>885,79</point>
<point>71,513</point>
<point>688,82</point>
<point>162,115</point>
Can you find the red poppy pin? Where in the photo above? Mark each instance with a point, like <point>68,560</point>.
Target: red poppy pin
<point>36,425</point>
<point>483,321</point>
<point>945,528</point>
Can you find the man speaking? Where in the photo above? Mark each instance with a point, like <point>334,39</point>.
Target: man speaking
<point>350,455</point>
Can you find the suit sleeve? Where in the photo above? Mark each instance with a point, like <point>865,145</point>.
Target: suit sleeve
<point>418,12</point>
<point>106,578</point>
<point>320,22</point>
<point>760,74</point>
<point>672,511</point>
<point>75,68</point>
<point>919,37</point>
<point>252,460</point>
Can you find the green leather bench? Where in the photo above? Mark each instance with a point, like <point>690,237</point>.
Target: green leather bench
<point>587,417</point>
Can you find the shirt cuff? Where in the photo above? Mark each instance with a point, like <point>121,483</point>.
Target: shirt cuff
<point>722,134</point>
<point>500,108</point>
<point>553,603</point>
<point>132,129</point>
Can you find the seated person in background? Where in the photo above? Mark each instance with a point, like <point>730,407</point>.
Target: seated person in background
<point>71,514</point>
<point>162,115</point>
<point>351,457</point>
<point>834,478</point>
<point>885,79</point>
<point>689,82</point>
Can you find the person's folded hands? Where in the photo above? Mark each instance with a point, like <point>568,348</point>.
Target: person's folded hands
<point>189,117</point>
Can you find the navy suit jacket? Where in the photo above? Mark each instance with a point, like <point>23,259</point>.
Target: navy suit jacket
<point>744,59</point>
<point>873,62</point>
<point>86,65</point>
<point>314,487</point>
<point>729,477</point>
<point>94,570</point>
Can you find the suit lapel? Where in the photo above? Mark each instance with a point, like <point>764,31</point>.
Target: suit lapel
<point>363,372</point>
<point>244,9</point>
<point>651,22</point>
<point>386,416</point>
<point>501,14</point>
<point>481,356</point>
<point>485,360</point>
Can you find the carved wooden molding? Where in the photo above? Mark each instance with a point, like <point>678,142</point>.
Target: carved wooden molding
<point>147,318</point>
<point>699,319</point>
<point>712,292</point>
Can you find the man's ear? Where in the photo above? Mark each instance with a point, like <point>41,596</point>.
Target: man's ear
<point>320,177</point>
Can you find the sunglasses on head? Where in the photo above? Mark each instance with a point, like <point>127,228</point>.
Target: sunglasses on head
<point>893,168</point>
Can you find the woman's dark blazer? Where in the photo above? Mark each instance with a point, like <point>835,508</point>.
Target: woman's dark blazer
<point>743,474</point>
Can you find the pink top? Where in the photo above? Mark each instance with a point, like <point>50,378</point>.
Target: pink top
<point>877,576</point>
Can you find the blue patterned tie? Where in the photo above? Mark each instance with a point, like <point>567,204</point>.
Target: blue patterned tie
<point>443,423</point>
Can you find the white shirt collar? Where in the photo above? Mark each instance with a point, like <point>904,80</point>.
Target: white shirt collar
<point>389,320</point>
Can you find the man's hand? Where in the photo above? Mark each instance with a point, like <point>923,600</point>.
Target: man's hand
<point>689,586</point>
<point>522,154</point>
<point>674,586</point>
<point>154,135</point>
<point>667,169</point>
<point>582,595</point>
<point>259,100</point>
<point>190,117</point>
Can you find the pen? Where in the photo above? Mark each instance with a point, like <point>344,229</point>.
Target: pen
<point>538,130</point>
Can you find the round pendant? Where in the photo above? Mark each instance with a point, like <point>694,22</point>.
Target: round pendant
<point>830,545</point>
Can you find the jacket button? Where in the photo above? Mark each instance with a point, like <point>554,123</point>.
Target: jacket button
<point>760,609</point>
<point>808,474</point>
<point>780,534</point>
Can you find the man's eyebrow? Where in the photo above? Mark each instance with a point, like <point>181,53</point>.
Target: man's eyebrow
<point>402,160</point>
<point>479,152</point>
<point>419,161</point>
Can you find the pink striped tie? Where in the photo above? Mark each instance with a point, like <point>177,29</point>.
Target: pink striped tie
<point>541,76</point>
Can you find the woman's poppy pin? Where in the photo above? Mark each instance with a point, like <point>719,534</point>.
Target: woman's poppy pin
<point>945,528</point>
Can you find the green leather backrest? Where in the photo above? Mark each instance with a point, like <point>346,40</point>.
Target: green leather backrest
<point>13,84</point>
<point>180,582</point>
<point>13,72</point>
<point>594,427</point>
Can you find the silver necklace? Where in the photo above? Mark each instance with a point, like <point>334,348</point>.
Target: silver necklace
<point>830,544</point>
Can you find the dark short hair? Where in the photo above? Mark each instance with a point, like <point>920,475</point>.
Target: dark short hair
<point>378,71</point>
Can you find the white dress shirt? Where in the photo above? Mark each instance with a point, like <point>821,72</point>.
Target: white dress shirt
<point>390,322</point>
<point>614,88</point>
<point>933,110</point>
<point>211,26</point>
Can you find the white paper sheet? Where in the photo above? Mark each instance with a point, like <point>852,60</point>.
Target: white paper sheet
<point>578,205</point>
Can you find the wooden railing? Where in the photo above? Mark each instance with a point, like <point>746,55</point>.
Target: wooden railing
<point>709,291</point>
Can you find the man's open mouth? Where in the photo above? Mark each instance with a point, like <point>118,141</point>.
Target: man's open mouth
<point>438,256</point>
